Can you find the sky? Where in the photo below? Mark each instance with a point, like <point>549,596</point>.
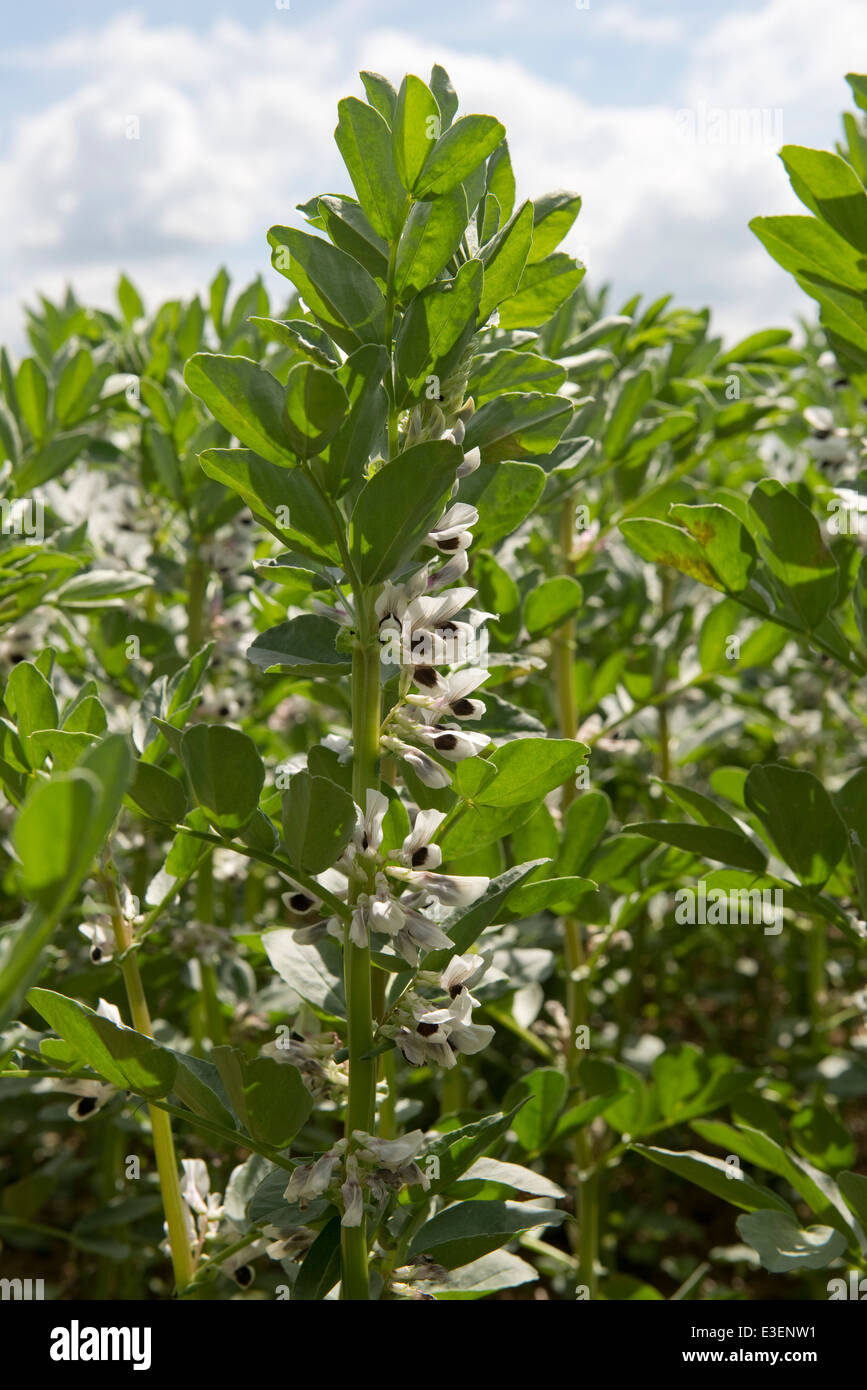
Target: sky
<point>163,139</point>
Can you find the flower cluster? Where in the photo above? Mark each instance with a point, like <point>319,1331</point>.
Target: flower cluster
<point>402,888</point>
<point>373,1165</point>
<point>428,1034</point>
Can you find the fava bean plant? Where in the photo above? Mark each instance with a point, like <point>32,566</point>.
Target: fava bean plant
<point>433,755</point>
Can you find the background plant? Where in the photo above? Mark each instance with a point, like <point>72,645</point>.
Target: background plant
<point>607,443</point>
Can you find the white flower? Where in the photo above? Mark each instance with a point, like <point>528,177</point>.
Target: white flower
<point>352,1194</point>
<point>463,1034</point>
<point>419,933</point>
<point>205,1205</point>
<point>417,852</point>
<point>425,768</point>
<point>472,459</point>
<point>452,531</point>
<point>368,830</point>
<point>101,937</point>
<point>388,1153</point>
<point>452,889</point>
<point>827,443</point>
<point>110,1011</point>
<point>92,1096</point>
<point>458,974</point>
<point>451,692</point>
<point>384,912</point>
<point>310,1180</point>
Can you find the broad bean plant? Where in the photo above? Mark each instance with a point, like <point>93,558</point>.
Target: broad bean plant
<point>433,755</point>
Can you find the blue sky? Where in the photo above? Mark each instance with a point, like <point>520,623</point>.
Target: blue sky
<point>637,106</point>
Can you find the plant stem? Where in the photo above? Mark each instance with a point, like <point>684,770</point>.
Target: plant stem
<point>359,1002</point>
<point>586,1194</point>
<point>161,1125</point>
<point>197,587</point>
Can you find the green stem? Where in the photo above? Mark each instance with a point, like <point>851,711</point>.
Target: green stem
<point>161,1125</point>
<point>197,587</point>
<point>360,1109</point>
<point>586,1194</point>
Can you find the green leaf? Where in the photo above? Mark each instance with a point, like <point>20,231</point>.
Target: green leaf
<point>465,925</point>
<point>518,425</point>
<point>492,373</point>
<point>553,217</point>
<point>714,1175</point>
<point>435,330</point>
<point>226,774</point>
<point>790,543</point>
<point>504,258</point>
<point>800,818</point>
<point>558,895</point>
<point>46,834</point>
<point>458,1149</point>
<point>430,237</point>
<point>705,841</point>
<point>635,390</point>
<point>31,701</point>
<point>314,972</point>
<point>99,589</point>
<point>783,1245</point>
<point>268,1096</point>
<point>700,807</point>
<point>664,544</point>
<point>544,287</point>
<point>819,1136</point>
<point>530,768</point>
<point>854,1189</point>
<point>543,1093</point>
<point>443,90</point>
<point>364,140</point>
<point>338,291</point>
<point>157,793</point>
<point>514,1175</point>
<point>415,128</point>
<point>725,541</point>
<point>305,338</point>
<point>500,179</point>
<point>320,1268</point>
<point>498,1270</point>
<point>316,404</point>
<point>584,827</point>
<point>398,506</point>
<point>247,401</point>
<point>380,94</point>
<point>64,821</point>
<point>459,151</point>
<point>127,1059</point>
<point>31,389</point>
<point>318,821</point>
<point>551,604</point>
<point>285,500</point>
<point>468,1230</point>
<point>504,494</point>
<point>812,251</point>
<point>347,225</point>
<point>303,646</point>
<point>73,394</point>
<point>197,1085</point>
<point>130,301</point>
<point>831,188</point>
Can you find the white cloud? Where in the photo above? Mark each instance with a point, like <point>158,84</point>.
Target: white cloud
<point>627,22</point>
<point>236,127</point>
